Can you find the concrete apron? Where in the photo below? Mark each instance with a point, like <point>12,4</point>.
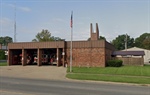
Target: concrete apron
<point>34,72</point>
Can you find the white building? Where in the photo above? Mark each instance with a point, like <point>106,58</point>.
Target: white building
<point>146,56</point>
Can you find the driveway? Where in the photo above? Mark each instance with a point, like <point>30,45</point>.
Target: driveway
<point>34,72</point>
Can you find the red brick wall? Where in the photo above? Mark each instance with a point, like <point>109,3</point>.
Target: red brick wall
<point>94,36</point>
<point>87,57</point>
<point>98,57</point>
<point>108,53</point>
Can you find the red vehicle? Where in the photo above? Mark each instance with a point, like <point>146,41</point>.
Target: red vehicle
<point>53,59</point>
<point>45,58</point>
<point>29,58</point>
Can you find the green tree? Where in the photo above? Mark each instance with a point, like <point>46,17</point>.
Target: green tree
<point>2,55</point>
<point>119,42</point>
<point>44,36</point>
<point>5,40</point>
<point>143,41</point>
<point>100,38</point>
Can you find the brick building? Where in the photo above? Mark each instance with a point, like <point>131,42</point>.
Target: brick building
<point>93,53</point>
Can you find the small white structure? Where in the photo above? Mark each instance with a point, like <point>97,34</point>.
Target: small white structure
<point>146,56</point>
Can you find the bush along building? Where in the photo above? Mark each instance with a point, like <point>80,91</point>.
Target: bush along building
<point>93,53</point>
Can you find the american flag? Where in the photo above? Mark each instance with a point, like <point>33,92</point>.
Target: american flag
<point>71,21</point>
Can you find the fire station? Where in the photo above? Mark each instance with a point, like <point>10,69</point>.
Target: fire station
<point>93,53</point>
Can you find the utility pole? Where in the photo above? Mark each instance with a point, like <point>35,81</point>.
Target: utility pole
<point>126,42</point>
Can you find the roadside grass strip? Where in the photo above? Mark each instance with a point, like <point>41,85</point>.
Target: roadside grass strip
<point>127,74</point>
<point>111,78</point>
<point>124,70</point>
<point>3,63</point>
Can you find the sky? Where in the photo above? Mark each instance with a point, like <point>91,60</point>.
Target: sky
<point>114,17</point>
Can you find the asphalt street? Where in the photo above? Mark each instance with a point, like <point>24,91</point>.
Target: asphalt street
<point>22,86</point>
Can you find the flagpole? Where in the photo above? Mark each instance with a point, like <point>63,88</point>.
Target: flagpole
<point>71,24</point>
<point>71,51</point>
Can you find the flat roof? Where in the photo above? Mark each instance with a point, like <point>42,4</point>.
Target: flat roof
<point>125,53</point>
<point>61,44</point>
<point>36,45</point>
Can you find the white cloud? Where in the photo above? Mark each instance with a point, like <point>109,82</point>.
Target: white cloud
<point>58,20</point>
<point>6,25</point>
<point>24,9</point>
<point>81,33</point>
<point>5,22</point>
<point>11,5</point>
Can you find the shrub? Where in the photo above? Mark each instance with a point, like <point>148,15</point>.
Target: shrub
<point>114,63</point>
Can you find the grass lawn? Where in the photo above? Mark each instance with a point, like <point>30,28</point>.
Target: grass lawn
<point>129,74</point>
<point>3,63</point>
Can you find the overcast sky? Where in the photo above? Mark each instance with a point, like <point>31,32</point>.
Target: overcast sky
<point>114,17</point>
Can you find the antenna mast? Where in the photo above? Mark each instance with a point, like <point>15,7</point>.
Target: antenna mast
<point>15,23</point>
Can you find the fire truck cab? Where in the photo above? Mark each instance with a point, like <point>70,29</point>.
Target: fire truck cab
<point>45,58</point>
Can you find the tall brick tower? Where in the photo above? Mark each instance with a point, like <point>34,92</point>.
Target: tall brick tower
<point>94,35</point>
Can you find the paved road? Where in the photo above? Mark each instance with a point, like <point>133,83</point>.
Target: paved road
<point>21,86</point>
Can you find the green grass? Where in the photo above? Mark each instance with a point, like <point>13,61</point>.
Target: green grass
<point>129,74</point>
<point>124,79</point>
<point>124,70</point>
<point>3,63</point>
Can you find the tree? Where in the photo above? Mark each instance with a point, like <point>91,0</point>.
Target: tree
<point>143,41</point>
<point>146,43</point>
<point>119,42</point>
<point>44,36</point>
<point>2,55</point>
<point>100,38</point>
<point>56,39</point>
<point>5,40</point>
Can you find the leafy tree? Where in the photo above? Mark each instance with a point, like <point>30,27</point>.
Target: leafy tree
<point>5,40</point>
<point>119,42</point>
<point>56,39</point>
<point>143,41</point>
<point>100,38</point>
<point>44,36</point>
<point>2,55</point>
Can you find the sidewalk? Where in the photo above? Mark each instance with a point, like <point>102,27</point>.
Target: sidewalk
<point>34,72</point>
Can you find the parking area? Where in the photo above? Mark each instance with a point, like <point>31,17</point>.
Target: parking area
<point>34,72</point>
